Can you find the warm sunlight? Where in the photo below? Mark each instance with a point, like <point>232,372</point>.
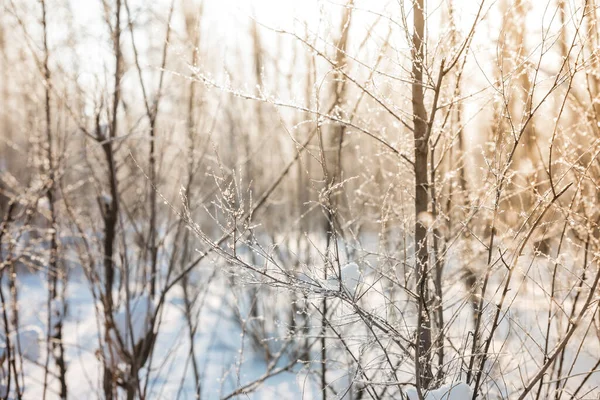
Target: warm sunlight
<point>317,199</point>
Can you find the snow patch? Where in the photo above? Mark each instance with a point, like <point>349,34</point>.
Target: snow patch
<point>56,317</point>
<point>28,341</point>
<point>132,326</point>
<point>352,277</point>
<point>452,391</point>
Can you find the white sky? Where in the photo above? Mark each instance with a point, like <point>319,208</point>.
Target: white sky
<point>225,24</point>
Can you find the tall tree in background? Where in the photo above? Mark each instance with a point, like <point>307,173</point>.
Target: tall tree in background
<point>56,274</point>
<point>111,203</point>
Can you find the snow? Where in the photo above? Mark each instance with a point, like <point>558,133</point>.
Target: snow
<point>453,391</point>
<point>218,341</point>
<point>57,314</point>
<point>105,199</point>
<point>43,204</point>
<point>28,339</point>
<point>141,312</point>
<point>426,219</point>
<point>352,278</point>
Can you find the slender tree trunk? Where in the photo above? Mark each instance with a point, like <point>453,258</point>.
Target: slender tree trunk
<point>153,114</point>
<point>193,20</point>
<point>332,171</point>
<point>423,370</point>
<point>54,332</point>
<point>112,212</point>
<point>152,242</point>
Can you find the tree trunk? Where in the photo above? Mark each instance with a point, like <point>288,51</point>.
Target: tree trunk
<point>424,375</point>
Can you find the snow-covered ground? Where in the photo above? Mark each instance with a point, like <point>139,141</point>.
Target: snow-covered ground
<point>217,345</point>
<point>227,359</point>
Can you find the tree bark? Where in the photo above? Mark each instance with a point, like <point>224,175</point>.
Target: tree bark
<point>112,212</point>
<point>424,375</point>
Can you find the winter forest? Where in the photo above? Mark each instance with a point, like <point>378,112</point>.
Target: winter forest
<point>317,199</point>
